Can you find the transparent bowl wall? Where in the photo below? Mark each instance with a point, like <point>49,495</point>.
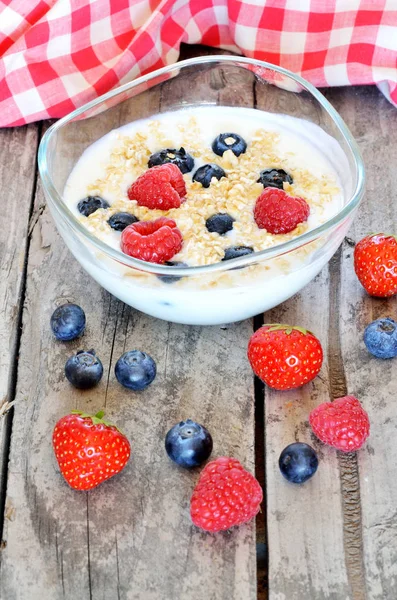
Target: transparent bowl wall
<point>227,291</point>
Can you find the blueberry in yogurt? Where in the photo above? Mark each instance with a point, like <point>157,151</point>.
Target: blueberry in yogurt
<point>90,204</point>
<point>205,174</point>
<point>182,159</point>
<point>229,141</point>
<point>119,221</point>
<point>171,278</point>
<point>237,251</point>
<point>220,223</point>
<point>274,178</point>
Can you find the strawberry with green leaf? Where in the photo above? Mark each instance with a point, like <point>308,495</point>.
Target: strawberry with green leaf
<point>375,264</point>
<point>284,356</point>
<point>88,449</point>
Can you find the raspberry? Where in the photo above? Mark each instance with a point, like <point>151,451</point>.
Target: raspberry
<point>153,241</point>
<point>342,423</point>
<point>226,495</point>
<point>277,212</point>
<point>161,187</point>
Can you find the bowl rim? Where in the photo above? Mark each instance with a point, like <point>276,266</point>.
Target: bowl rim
<point>274,251</point>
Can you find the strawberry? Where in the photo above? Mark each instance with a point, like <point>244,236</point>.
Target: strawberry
<point>284,357</point>
<point>161,187</point>
<point>375,264</point>
<point>226,495</point>
<point>154,241</point>
<point>277,212</point>
<point>88,449</point>
<point>343,423</point>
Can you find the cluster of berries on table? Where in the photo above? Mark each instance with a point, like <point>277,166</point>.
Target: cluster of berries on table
<point>134,369</point>
<point>89,450</point>
<point>375,264</point>
<point>162,187</point>
<point>285,358</point>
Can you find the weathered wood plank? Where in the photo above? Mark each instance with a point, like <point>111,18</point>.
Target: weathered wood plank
<point>304,523</point>
<point>348,470</point>
<point>373,121</point>
<point>139,541</point>
<point>132,537</point>
<point>305,534</point>
<point>17,180</point>
<point>335,536</point>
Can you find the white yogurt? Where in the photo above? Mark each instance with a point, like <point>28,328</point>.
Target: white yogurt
<point>303,144</point>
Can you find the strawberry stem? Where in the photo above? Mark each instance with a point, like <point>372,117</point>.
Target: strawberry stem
<point>287,328</point>
<point>96,419</point>
<point>385,235</point>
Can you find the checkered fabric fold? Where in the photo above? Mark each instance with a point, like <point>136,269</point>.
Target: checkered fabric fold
<point>55,55</point>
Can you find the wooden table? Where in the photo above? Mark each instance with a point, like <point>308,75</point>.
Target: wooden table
<point>331,539</point>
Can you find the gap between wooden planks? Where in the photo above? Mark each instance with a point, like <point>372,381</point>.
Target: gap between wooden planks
<point>18,147</point>
<point>336,536</point>
<point>133,538</point>
<point>373,122</point>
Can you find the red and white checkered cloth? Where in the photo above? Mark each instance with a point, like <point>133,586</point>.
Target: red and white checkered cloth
<point>55,55</point>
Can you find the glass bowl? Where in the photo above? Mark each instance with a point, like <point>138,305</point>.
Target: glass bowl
<point>230,290</point>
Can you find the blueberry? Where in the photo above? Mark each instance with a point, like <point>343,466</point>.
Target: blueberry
<point>380,338</point>
<point>171,278</point>
<point>237,251</point>
<point>188,444</point>
<point>298,462</point>
<point>84,369</point>
<point>219,223</point>
<point>135,370</point>
<point>229,141</point>
<point>180,158</point>
<point>67,322</point>
<point>119,221</point>
<point>274,178</point>
<point>205,173</point>
<point>90,204</point>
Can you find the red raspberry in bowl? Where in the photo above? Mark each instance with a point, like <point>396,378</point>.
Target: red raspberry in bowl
<point>161,187</point>
<point>153,241</point>
<point>226,495</point>
<point>343,423</point>
<point>277,212</point>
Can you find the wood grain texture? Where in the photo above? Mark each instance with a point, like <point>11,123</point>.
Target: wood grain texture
<point>305,534</point>
<point>132,537</point>
<point>373,121</point>
<point>17,167</point>
<point>304,523</point>
<point>348,468</point>
<point>335,537</point>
